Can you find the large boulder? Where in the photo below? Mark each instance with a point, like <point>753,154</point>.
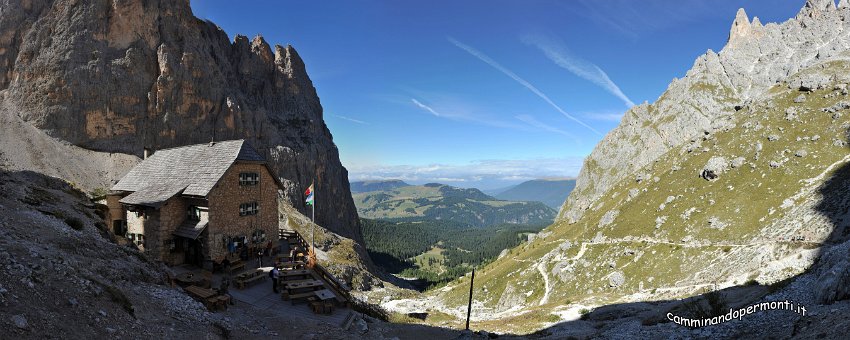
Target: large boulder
<point>714,168</point>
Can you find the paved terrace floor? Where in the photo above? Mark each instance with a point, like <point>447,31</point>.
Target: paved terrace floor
<point>260,294</point>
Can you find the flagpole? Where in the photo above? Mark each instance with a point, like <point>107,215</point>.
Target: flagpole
<point>313,228</point>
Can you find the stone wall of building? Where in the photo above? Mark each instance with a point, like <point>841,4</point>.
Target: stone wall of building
<point>224,201</point>
<point>115,212</point>
<point>144,221</point>
<point>171,215</point>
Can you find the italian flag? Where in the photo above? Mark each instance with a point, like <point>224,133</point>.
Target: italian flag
<point>309,194</point>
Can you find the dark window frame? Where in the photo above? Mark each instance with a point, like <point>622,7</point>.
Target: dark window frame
<point>249,209</point>
<point>193,213</point>
<point>249,178</point>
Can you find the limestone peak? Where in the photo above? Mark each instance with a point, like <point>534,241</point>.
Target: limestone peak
<point>740,27</point>
<point>813,8</point>
<point>821,5</point>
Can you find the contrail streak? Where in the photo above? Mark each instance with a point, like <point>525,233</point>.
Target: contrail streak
<point>425,107</point>
<point>589,71</point>
<point>350,119</point>
<point>528,119</point>
<point>522,82</point>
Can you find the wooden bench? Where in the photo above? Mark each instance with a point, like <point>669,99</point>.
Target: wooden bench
<point>322,307</point>
<point>217,302</point>
<point>300,296</point>
<point>212,303</point>
<point>244,282</point>
<point>222,301</point>
<point>248,273</point>
<point>237,264</point>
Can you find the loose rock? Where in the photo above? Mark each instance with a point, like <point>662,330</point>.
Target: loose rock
<point>617,279</point>
<point>20,321</point>
<point>738,162</point>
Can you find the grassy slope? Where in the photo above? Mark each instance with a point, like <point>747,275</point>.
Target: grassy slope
<point>747,199</point>
<point>435,253</point>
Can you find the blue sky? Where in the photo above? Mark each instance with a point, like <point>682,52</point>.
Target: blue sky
<point>484,93</point>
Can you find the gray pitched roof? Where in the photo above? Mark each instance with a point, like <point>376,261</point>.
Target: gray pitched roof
<point>154,195</point>
<point>191,229</point>
<point>196,167</point>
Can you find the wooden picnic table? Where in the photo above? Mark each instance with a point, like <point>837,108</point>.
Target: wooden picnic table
<point>189,279</point>
<point>286,275</point>
<point>291,286</point>
<point>325,294</point>
<point>209,297</point>
<point>290,264</point>
<point>305,289</point>
<point>200,292</point>
<point>249,277</point>
<point>296,281</point>
<point>249,273</point>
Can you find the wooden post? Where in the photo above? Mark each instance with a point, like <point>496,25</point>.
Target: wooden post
<point>469,306</point>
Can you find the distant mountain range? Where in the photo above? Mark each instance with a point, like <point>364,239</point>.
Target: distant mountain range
<point>436,201</point>
<point>367,186</point>
<point>552,192</point>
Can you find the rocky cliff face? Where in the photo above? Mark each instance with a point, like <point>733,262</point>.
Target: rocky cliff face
<point>120,76</point>
<point>755,58</point>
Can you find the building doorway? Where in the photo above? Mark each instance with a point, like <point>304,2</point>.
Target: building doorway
<point>194,252</point>
<point>119,227</point>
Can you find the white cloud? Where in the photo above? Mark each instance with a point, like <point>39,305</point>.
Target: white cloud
<point>425,107</point>
<point>523,82</point>
<point>480,174</point>
<point>556,52</point>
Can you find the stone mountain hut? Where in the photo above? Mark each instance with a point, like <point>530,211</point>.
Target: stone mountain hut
<point>198,203</point>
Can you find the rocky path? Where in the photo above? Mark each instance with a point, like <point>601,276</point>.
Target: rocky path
<point>541,267</point>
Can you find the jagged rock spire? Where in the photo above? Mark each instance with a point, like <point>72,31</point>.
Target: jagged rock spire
<point>821,5</point>
<point>740,27</point>
<point>813,8</point>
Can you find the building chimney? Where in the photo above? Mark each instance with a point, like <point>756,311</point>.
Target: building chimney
<point>147,153</point>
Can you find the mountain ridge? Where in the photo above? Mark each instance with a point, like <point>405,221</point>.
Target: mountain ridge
<point>376,185</point>
<point>552,192</point>
<point>434,201</point>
